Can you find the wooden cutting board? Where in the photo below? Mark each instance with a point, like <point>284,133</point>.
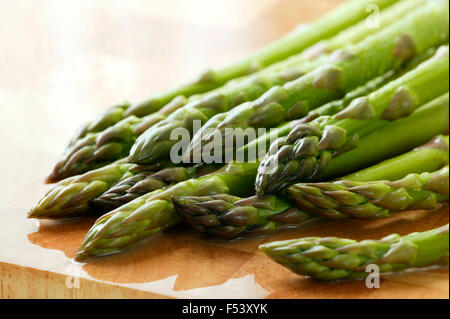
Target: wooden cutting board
<point>35,262</point>
<point>64,63</point>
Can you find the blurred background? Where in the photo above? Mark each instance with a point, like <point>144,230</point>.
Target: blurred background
<point>62,62</point>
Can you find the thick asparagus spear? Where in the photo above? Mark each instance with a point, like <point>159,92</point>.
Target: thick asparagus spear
<point>231,216</point>
<point>294,42</point>
<point>97,149</point>
<point>332,258</point>
<point>72,196</point>
<point>372,199</point>
<point>153,212</point>
<point>346,69</point>
<point>308,148</point>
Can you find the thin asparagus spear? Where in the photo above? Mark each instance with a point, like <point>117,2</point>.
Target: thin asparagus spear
<point>231,216</point>
<point>140,184</point>
<point>332,258</point>
<point>293,43</point>
<point>307,150</point>
<point>346,69</point>
<point>72,196</point>
<point>96,149</point>
<point>153,212</point>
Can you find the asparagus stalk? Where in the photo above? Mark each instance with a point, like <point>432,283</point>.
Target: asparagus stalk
<point>72,196</point>
<point>346,69</point>
<point>140,184</point>
<point>95,149</point>
<point>332,258</point>
<point>307,150</point>
<point>231,216</point>
<point>153,212</point>
<point>293,43</point>
<point>372,199</point>
<point>429,120</point>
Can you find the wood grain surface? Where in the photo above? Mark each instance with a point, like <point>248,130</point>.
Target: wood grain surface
<point>62,62</point>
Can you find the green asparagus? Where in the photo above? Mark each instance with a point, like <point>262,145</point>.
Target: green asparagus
<point>156,142</point>
<point>72,196</point>
<point>306,151</point>
<point>231,216</point>
<point>372,199</point>
<point>125,191</point>
<point>346,69</point>
<point>256,148</point>
<point>97,149</point>
<point>140,184</point>
<point>153,212</point>
<point>429,120</point>
<point>332,258</point>
<point>293,43</point>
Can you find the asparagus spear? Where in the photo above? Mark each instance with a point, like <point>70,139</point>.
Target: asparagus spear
<point>372,199</point>
<point>294,42</point>
<point>308,148</point>
<point>346,69</point>
<point>71,196</point>
<point>231,216</point>
<point>94,150</point>
<point>140,184</point>
<point>332,258</point>
<point>429,120</point>
<point>153,212</point>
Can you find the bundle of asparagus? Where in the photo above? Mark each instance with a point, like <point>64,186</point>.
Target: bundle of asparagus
<point>349,104</point>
